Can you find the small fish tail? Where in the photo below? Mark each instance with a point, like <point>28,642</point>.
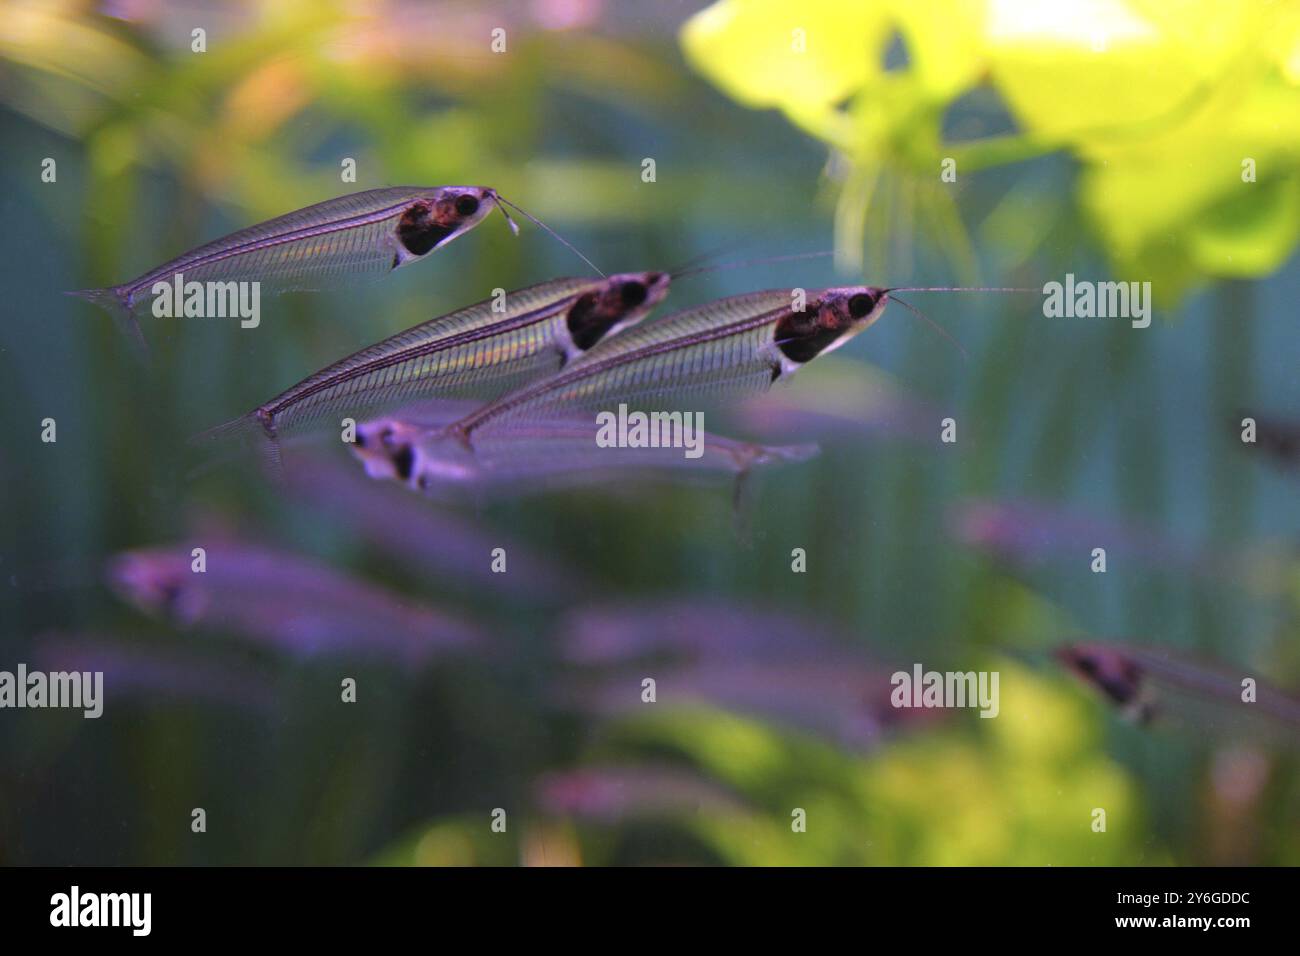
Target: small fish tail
<point>241,429</point>
<point>461,434</point>
<point>256,429</point>
<point>113,301</point>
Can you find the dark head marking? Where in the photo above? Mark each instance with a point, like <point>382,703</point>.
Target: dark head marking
<point>632,293</point>
<point>801,336</point>
<point>419,230</point>
<point>404,462</point>
<point>169,593</point>
<point>586,323</point>
<point>431,221</point>
<point>1115,675</point>
<point>619,299</point>
<point>826,321</point>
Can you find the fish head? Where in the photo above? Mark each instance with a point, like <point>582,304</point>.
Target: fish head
<point>443,461</point>
<point>386,448</point>
<point>158,583</point>
<point>413,455</point>
<point>613,304</point>
<point>1110,671</point>
<point>442,214</point>
<point>828,321</point>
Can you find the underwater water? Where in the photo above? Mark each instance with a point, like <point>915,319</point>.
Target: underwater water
<point>363,673</point>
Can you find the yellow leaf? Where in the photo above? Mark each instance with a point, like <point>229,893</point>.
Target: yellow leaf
<point>777,53</point>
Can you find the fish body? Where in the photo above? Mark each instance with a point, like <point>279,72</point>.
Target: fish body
<point>541,453</point>
<point>151,673</point>
<point>543,326</point>
<point>614,793</point>
<point>287,601</point>
<point>734,345</point>
<point>1143,683</point>
<point>757,660</point>
<point>433,543</point>
<point>360,234</point>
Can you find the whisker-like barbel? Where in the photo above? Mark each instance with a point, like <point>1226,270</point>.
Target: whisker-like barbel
<point>960,288</point>
<point>533,219</point>
<point>745,263</point>
<point>540,328</point>
<point>935,325</point>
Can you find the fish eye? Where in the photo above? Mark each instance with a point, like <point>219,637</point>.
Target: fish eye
<point>861,305</point>
<point>633,293</point>
<point>466,205</point>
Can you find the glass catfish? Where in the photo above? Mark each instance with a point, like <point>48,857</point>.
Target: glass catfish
<point>737,344</point>
<point>365,233</point>
<point>491,344</point>
<point>542,454</point>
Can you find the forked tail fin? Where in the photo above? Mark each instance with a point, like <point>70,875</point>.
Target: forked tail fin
<point>112,302</point>
<point>245,431</point>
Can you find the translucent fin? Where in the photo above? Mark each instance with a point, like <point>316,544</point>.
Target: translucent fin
<point>114,303</point>
<point>242,433</point>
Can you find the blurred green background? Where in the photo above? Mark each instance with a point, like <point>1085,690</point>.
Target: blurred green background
<point>1101,139</point>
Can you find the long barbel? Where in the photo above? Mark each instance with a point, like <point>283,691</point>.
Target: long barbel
<point>737,344</point>
<point>541,327</point>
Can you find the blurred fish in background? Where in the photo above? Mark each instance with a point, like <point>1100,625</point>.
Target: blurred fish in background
<point>292,603</point>
<point>533,457</point>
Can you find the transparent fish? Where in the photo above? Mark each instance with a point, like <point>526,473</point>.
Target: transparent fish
<point>788,668</point>
<point>283,599</point>
<point>365,233</point>
<point>843,700</point>
<point>542,453</point>
<point>1027,533</point>
<point>690,628</point>
<point>727,347</point>
<point>152,673</point>
<point>1147,685</point>
<point>530,330</point>
<point>613,793</point>
<point>426,541</point>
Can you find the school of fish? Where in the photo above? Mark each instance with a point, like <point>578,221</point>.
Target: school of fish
<point>528,366</point>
